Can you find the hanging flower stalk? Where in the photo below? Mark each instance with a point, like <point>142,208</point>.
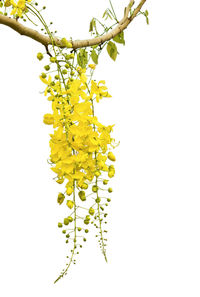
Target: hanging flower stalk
<point>81,155</point>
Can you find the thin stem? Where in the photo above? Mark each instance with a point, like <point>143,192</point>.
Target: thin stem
<point>75,237</point>
<point>100,227</point>
<point>114,15</point>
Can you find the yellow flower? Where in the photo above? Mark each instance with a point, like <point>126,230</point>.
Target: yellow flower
<point>60,180</point>
<point>19,7</point>
<point>99,90</point>
<point>48,119</point>
<point>92,66</point>
<point>111,156</point>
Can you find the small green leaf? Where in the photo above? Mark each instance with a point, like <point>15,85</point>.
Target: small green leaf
<point>82,58</point>
<point>107,14</point>
<point>104,14</point>
<point>94,56</point>
<point>92,25</point>
<point>119,38</point>
<point>112,50</point>
<point>146,13</point>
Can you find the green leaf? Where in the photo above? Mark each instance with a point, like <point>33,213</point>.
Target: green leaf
<point>119,38</point>
<point>94,56</point>
<point>107,14</point>
<point>146,13</point>
<point>82,58</point>
<point>92,25</point>
<point>112,50</point>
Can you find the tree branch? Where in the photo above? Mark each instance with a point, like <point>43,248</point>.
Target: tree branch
<point>45,40</point>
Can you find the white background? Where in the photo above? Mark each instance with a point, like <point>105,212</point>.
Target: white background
<point>154,222</point>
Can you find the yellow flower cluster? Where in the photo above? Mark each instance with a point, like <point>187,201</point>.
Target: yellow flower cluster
<point>18,7</point>
<point>80,143</point>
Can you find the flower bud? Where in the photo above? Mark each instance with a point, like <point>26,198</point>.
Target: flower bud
<point>91,211</point>
<point>60,225</point>
<point>61,198</point>
<point>95,189</point>
<point>40,56</point>
<point>47,67</point>
<point>105,182</point>
<point>48,119</point>
<point>69,191</point>
<point>53,59</point>
<point>66,221</point>
<point>81,195</point>
<point>70,204</point>
<point>111,156</point>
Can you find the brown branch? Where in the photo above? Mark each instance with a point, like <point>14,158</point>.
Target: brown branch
<point>45,40</point>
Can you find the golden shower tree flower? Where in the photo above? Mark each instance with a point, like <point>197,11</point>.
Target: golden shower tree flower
<point>80,145</point>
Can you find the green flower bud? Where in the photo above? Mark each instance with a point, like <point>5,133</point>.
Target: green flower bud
<point>91,211</point>
<point>110,190</point>
<point>43,75</point>
<point>81,195</point>
<point>53,59</point>
<point>94,189</point>
<point>40,56</point>
<point>47,67</point>
<point>66,221</point>
<point>105,182</point>
<point>60,225</point>
<point>61,198</point>
<point>98,200</point>
<point>64,71</point>
<point>86,222</point>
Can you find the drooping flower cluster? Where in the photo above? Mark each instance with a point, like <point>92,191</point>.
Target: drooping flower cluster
<point>80,142</point>
<point>81,155</point>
